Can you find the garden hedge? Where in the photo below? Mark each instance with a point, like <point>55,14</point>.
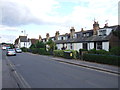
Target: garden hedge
<point>61,53</point>
<point>104,59</point>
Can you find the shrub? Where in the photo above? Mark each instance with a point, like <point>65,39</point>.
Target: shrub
<point>24,49</point>
<point>42,51</point>
<point>34,50</point>
<point>40,44</point>
<point>75,54</point>
<point>33,46</point>
<point>104,59</point>
<point>94,51</point>
<point>115,51</point>
<point>59,53</point>
<point>62,53</point>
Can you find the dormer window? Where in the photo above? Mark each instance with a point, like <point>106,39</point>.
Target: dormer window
<point>102,33</point>
<point>74,36</point>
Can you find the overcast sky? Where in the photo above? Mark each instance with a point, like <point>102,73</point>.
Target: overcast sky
<point>38,17</point>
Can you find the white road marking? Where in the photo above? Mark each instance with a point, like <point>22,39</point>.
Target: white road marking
<point>19,76</point>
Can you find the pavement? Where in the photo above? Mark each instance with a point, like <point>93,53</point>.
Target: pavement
<point>0,69</point>
<point>92,65</point>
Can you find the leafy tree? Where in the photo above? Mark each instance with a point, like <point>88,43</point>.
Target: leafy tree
<point>52,45</point>
<point>33,46</point>
<point>40,44</point>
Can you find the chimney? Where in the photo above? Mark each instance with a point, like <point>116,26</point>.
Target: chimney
<point>40,38</point>
<point>106,25</point>
<point>82,30</point>
<point>56,35</point>
<point>95,27</point>
<point>72,32</point>
<point>47,36</point>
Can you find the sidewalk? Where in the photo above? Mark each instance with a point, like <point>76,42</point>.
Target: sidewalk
<point>92,65</point>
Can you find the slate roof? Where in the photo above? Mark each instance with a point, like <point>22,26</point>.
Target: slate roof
<point>23,38</point>
<point>16,41</point>
<point>91,38</point>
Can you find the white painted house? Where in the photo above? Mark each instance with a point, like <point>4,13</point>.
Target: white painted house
<point>22,41</point>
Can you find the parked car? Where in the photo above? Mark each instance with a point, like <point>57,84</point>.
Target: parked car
<point>18,50</point>
<point>10,52</point>
<point>3,48</point>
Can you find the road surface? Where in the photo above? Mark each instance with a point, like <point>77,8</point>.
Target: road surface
<point>43,72</point>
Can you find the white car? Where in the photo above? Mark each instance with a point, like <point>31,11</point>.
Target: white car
<point>3,48</point>
<point>18,50</point>
<point>10,52</point>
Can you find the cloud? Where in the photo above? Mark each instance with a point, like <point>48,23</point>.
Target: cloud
<point>52,15</point>
<point>7,28</point>
<point>17,12</point>
<point>101,10</point>
<point>7,38</point>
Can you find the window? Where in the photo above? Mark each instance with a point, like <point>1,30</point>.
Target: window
<point>61,38</point>
<point>85,46</point>
<point>74,36</point>
<point>99,45</point>
<point>84,35</point>
<point>71,45</point>
<point>102,32</point>
<point>87,34</point>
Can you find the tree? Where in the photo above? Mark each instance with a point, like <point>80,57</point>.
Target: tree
<point>33,46</point>
<point>40,44</point>
<point>52,45</point>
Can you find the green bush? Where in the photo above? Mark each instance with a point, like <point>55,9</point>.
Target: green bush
<point>83,50</point>
<point>34,50</point>
<point>94,51</point>
<point>115,51</point>
<point>24,49</point>
<point>104,59</point>
<point>59,53</point>
<point>62,53</point>
<point>42,51</point>
<point>75,54</point>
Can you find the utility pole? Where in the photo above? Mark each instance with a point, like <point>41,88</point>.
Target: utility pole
<point>24,32</point>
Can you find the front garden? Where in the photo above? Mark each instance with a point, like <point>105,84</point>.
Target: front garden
<point>111,57</point>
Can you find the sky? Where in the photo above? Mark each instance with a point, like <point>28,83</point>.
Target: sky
<point>38,17</point>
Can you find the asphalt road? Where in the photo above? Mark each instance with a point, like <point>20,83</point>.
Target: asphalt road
<point>43,72</point>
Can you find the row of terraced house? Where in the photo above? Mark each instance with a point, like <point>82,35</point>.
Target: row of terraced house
<point>98,38</point>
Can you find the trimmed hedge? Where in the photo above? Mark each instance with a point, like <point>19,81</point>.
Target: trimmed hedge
<point>115,51</point>
<point>104,59</point>
<point>40,51</point>
<point>61,53</point>
<point>94,51</point>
